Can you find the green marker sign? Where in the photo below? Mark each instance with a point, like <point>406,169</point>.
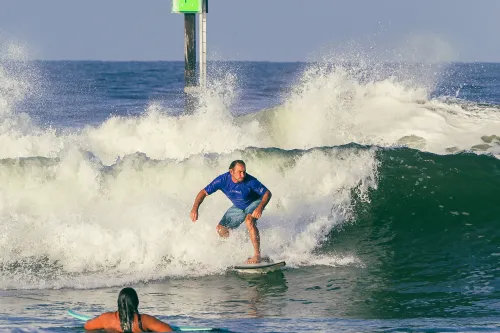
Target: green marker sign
<point>186,6</point>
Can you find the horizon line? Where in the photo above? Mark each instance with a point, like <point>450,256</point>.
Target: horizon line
<point>266,61</point>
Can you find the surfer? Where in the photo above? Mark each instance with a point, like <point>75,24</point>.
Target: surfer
<point>249,198</point>
<point>127,318</point>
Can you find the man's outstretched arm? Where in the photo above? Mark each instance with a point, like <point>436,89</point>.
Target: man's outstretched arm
<point>197,202</point>
<point>257,213</point>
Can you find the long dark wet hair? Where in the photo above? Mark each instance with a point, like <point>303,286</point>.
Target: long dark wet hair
<point>128,304</point>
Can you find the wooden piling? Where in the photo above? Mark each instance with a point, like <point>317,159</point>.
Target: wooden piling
<point>190,79</point>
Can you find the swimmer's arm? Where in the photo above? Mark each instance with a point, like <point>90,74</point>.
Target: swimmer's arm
<point>96,323</point>
<point>152,324</point>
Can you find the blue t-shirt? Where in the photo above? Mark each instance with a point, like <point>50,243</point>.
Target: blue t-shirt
<point>241,194</point>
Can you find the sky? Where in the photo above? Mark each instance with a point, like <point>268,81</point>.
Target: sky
<point>256,30</point>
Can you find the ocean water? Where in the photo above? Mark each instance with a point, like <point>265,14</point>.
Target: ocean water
<point>385,181</point>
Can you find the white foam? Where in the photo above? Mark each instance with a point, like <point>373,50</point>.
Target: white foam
<point>98,226</point>
<point>110,204</point>
<point>333,106</point>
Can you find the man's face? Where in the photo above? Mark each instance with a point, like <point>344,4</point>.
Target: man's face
<point>238,173</point>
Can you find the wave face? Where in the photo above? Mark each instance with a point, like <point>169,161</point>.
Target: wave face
<point>428,236</point>
<point>389,168</point>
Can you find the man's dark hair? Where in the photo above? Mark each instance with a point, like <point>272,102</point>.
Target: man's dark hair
<point>233,164</point>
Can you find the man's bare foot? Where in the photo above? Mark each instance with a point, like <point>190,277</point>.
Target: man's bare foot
<point>254,260</point>
<point>222,231</point>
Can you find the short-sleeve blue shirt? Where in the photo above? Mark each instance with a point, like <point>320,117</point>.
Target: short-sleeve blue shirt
<point>241,194</point>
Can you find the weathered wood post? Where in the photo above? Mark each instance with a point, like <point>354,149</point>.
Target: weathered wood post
<point>190,81</point>
<point>189,8</point>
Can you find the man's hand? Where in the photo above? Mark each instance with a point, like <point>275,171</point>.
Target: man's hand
<point>257,213</point>
<point>194,215</point>
<point>197,202</point>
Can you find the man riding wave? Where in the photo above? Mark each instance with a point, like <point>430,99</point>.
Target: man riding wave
<point>249,197</point>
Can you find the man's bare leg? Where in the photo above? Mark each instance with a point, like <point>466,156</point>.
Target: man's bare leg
<point>222,231</point>
<point>255,238</point>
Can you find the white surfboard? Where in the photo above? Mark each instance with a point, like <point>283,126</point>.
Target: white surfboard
<point>263,267</point>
